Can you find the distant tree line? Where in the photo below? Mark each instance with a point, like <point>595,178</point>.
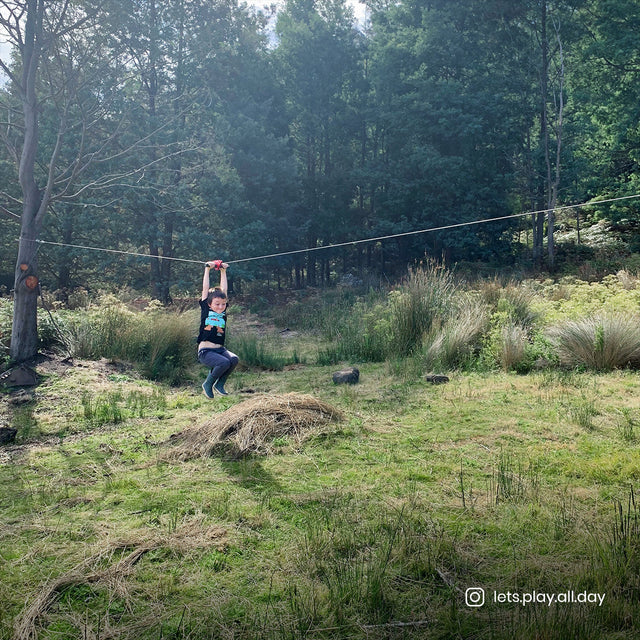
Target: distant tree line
<point>204,129</point>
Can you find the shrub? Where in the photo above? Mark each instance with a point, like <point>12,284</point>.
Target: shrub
<point>505,345</point>
<point>515,300</point>
<point>359,334</point>
<point>104,331</point>
<point>160,344</point>
<point>512,347</point>
<point>575,299</point>
<point>163,345</point>
<point>53,331</point>
<point>602,342</point>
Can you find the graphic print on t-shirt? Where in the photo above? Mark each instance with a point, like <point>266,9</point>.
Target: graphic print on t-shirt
<point>214,319</point>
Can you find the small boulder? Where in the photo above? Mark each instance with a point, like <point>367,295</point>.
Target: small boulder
<point>436,379</point>
<point>7,435</point>
<point>346,376</point>
<point>20,376</point>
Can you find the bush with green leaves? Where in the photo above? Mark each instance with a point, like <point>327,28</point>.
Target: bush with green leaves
<point>601,342</point>
<point>570,298</point>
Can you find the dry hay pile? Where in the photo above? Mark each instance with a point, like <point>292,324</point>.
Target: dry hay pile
<point>111,566</point>
<point>251,426</point>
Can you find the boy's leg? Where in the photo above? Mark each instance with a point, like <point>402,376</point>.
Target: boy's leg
<point>207,385</point>
<point>233,363</point>
<point>218,364</point>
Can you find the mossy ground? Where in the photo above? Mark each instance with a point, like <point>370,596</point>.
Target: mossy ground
<point>373,529</point>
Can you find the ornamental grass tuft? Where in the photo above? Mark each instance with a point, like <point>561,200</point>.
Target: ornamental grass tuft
<point>602,342</point>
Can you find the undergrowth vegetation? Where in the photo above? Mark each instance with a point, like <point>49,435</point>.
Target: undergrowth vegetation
<point>433,319</point>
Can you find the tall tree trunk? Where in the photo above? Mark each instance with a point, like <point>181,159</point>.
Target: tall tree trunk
<point>152,92</point>
<point>544,125</point>
<point>24,331</point>
<point>554,180</point>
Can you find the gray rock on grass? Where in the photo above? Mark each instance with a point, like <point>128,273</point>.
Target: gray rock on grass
<point>346,376</point>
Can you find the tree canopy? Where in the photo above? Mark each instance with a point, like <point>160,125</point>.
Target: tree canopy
<point>201,129</point>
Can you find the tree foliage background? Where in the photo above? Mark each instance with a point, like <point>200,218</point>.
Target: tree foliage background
<point>202,129</point>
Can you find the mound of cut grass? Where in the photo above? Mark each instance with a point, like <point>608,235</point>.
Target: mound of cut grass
<point>252,426</point>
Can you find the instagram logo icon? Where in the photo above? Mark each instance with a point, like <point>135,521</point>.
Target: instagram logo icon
<point>474,597</point>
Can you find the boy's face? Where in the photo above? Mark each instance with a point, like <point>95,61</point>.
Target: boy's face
<point>218,305</point>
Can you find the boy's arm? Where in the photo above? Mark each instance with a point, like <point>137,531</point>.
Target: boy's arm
<point>205,280</point>
<point>223,277</point>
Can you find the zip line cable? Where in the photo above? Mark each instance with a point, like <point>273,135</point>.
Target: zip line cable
<point>351,242</point>
<point>431,229</point>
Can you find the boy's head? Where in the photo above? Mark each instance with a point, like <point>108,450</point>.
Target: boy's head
<point>217,300</point>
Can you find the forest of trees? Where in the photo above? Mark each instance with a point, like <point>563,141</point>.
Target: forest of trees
<point>202,129</point>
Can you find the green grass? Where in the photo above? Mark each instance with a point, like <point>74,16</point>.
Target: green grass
<point>374,529</point>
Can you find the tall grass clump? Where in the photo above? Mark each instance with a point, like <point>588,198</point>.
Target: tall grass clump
<point>317,312</point>
<point>511,346</point>
<point>505,344</point>
<point>454,344</point>
<point>513,300</point>
<point>253,353</point>
<point>161,344</point>
<point>602,342</point>
<point>6,315</point>
<point>103,331</point>
<point>513,341</point>
<point>616,552</point>
<point>362,337</point>
<point>376,329</point>
<point>427,295</point>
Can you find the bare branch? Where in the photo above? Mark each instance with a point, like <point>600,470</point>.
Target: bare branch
<point>13,199</point>
<point>8,212</point>
<point>112,180</point>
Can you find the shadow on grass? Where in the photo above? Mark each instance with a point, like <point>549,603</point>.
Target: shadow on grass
<point>250,474</point>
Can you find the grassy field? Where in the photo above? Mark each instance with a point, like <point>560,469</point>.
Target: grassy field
<point>373,527</point>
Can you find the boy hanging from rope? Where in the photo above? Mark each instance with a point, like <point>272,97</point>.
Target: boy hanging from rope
<point>213,325</point>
